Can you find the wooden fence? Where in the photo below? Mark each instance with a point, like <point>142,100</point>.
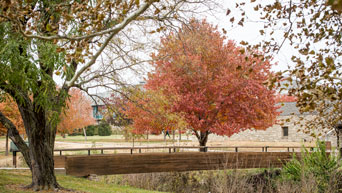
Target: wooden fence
<point>173,158</point>
<point>164,162</point>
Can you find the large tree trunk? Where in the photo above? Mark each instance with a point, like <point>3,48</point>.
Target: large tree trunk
<point>41,155</point>
<point>41,137</point>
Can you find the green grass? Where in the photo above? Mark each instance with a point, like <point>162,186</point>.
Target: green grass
<point>22,178</point>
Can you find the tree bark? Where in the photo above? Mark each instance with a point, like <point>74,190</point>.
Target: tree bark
<point>6,151</point>
<point>41,155</point>
<point>202,139</point>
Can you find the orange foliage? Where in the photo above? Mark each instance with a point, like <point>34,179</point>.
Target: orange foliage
<point>10,109</point>
<point>77,114</point>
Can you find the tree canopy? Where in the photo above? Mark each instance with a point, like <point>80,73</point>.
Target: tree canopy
<point>215,85</point>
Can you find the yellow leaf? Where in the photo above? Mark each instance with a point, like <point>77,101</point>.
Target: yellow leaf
<point>48,27</point>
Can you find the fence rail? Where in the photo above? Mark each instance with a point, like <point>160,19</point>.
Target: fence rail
<point>60,160</point>
<point>178,148</point>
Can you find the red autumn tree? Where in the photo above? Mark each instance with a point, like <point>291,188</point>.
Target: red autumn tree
<point>150,111</point>
<point>215,85</point>
<point>77,114</point>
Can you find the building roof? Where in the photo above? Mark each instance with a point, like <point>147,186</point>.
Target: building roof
<point>289,108</point>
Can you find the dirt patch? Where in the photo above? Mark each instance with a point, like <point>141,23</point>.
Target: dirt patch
<point>6,161</point>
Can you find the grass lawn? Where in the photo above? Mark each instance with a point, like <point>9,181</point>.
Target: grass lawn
<point>11,181</point>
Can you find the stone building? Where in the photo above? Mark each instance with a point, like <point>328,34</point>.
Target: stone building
<point>286,132</point>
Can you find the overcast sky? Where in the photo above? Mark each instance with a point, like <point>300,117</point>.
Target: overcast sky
<point>250,31</point>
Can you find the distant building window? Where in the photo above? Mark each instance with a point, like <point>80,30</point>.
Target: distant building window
<point>285,131</point>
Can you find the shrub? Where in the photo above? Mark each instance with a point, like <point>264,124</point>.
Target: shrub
<point>317,165</point>
<point>104,129</point>
<point>90,130</point>
<point>76,132</point>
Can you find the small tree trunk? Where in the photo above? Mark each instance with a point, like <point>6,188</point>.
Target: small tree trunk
<point>180,135</point>
<point>85,134</point>
<point>202,139</point>
<point>203,143</point>
<point>6,152</point>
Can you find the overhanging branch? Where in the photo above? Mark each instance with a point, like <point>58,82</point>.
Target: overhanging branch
<point>113,30</point>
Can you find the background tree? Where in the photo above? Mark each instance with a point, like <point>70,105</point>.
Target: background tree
<point>216,86</point>
<point>312,28</point>
<point>77,113</point>
<point>43,41</point>
<point>150,112</point>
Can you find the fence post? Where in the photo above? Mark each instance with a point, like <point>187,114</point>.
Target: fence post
<point>60,152</point>
<point>236,149</point>
<point>101,151</point>
<point>131,151</point>
<point>15,159</point>
<point>88,151</point>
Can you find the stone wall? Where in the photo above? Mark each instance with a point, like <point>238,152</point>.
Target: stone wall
<point>275,133</point>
